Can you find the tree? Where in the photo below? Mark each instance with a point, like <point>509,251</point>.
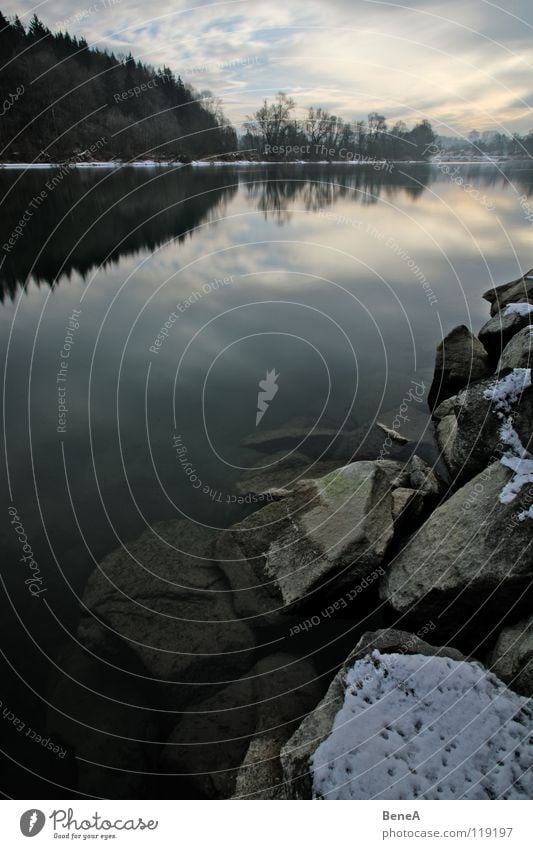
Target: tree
<point>271,120</point>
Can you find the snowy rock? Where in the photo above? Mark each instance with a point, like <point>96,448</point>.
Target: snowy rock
<point>316,727</point>
<point>460,359</point>
<point>516,291</point>
<point>470,558</point>
<point>164,607</point>
<point>329,533</point>
<point>499,330</point>
<point>415,727</point>
<point>229,744</point>
<point>512,658</point>
<point>468,429</point>
<point>517,353</point>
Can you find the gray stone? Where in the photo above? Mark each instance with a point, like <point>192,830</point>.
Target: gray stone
<point>499,330</point>
<point>229,744</point>
<point>282,471</point>
<point>163,606</point>
<point>517,291</point>
<point>517,353</point>
<point>512,657</point>
<point>469,558</point>
<point>460,359</point>
<point>329,532</point>
<point>468,429</point>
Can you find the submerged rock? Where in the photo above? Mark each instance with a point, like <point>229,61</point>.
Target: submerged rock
<point>409,726</point>
<point>229,744</point>
<point>162,605</point>
<point>460,359</point>
<point>512,658</point>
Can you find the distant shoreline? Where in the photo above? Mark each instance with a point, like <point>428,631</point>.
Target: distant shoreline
<point>377,164</point>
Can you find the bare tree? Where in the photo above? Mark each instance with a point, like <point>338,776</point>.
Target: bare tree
<point>271,120</point>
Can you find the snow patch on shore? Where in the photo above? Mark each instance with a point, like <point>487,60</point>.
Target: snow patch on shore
<point>518,309</point>
<point>504,393</point>
<point>416,727</point>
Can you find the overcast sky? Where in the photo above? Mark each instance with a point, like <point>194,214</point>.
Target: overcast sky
<point>462,64</point>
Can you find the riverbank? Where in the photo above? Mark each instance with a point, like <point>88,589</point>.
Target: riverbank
<point>365,634</point>
<point>378,164</point>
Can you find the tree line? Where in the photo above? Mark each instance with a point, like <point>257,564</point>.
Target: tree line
<point>273,132</point>
<point>59,98</point>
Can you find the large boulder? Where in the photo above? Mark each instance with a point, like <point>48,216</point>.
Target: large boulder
<point>460,359</point>
<point>517,291</point>
<point>412,726</point>
<point>316,727</point>
<point>518,352</point>
<point>469,561</point>
<point>512,657</point>
<point>468,429</point>
<point>328,534</point>
<point>162,606</point>
<point>499,330</point>
<point>229,744</point>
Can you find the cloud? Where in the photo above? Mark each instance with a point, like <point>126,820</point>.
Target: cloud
<point>461,65</point>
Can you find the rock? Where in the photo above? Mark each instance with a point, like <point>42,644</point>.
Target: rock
<point>517,291</point>
<point>460,359</point>
<point>412,726</point>
<point>229,744</point>
<point>394,435</point>
<point>499,330</point>
<point>164,607</point>
<point>290,448</point>
<point>469,559</point>
<point>330,533</point>
<point>423,479</point>
<point>517,353</point>
<point>387,640</point>
<point>468,429</point>
<point>321,443</point>
<point>282,471</point>
<point>512,657</point>
<point>94,711</point>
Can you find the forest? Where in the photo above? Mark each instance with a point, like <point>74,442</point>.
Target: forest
<point>61,99</point>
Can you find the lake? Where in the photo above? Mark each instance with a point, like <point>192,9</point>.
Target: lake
<point>141,308</point>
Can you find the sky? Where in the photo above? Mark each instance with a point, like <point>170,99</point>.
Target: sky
<point>462,64</point>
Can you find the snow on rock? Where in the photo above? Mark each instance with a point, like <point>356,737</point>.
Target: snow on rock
<point>504,394</point>
<point>519,309</point>
<point>425,727</point>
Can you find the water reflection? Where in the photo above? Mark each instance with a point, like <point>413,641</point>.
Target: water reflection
<point>94,218</point>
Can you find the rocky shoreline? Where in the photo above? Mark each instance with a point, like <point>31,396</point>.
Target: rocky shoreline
<point>367,633</point>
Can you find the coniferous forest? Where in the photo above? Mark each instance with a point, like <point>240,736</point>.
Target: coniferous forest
<point>71,99</point>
